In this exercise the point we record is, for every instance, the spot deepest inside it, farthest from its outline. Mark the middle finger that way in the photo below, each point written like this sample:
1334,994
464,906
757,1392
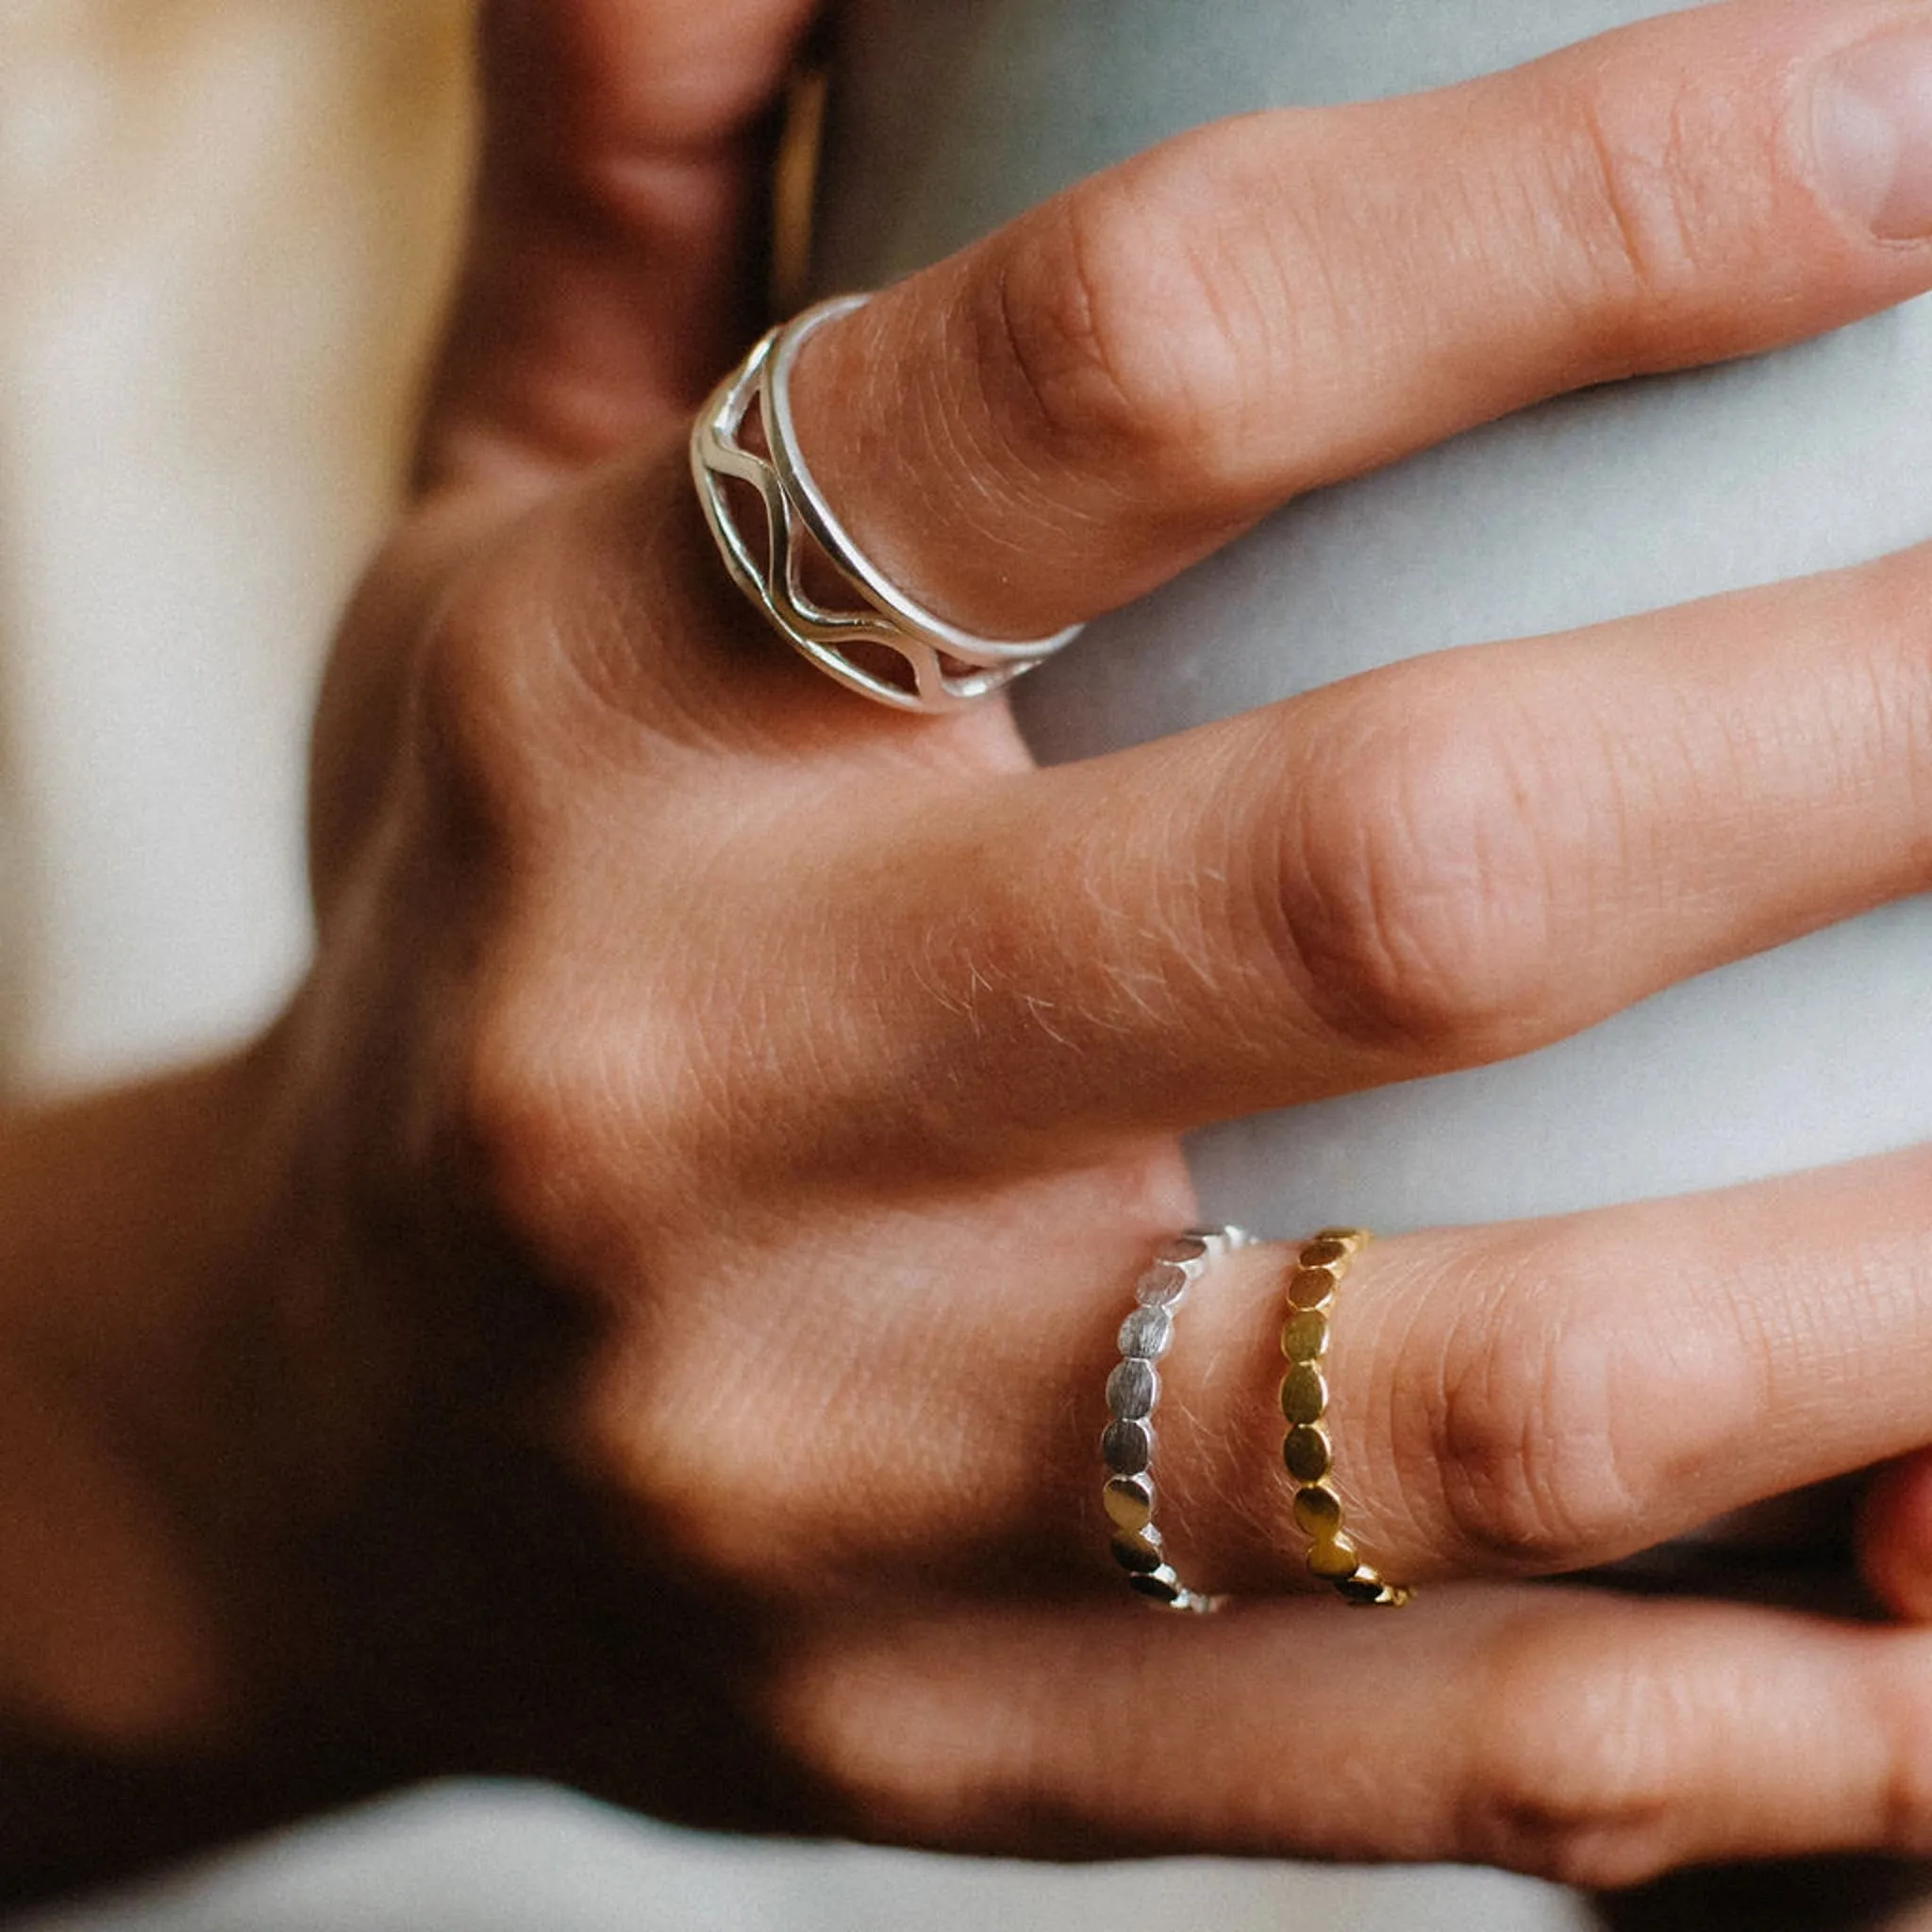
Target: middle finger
1437,864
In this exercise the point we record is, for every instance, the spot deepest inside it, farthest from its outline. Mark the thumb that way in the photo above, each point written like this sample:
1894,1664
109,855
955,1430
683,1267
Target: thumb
610,265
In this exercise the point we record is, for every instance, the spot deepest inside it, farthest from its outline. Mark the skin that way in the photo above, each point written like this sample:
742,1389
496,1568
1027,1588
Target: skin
640,1316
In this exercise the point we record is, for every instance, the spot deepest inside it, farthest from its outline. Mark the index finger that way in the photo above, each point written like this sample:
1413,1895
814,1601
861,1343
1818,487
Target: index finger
1065,415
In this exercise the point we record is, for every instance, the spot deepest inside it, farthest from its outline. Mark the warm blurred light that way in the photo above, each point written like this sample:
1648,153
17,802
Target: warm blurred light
225,226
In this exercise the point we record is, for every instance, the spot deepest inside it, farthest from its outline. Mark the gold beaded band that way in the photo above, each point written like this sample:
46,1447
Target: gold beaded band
1306,1450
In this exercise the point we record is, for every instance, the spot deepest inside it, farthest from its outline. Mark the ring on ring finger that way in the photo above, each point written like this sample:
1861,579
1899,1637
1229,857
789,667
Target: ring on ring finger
1133,1394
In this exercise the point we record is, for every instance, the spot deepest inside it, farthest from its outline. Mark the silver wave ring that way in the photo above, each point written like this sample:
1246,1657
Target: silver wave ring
945,667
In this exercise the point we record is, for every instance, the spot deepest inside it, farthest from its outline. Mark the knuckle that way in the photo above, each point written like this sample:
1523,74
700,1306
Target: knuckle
482,710
1525,1439
1579,1756
899,1749
526,1104
1566,1424
584,1153
1620,180
576,1097
1118,336
687,1439
1898,1711
527,680
1417,894
738,1469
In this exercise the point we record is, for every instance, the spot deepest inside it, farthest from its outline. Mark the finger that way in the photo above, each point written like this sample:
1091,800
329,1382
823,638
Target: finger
1552,1396
1067,414
1895,1537
1439,865
1581,1738
1534,1398
612,257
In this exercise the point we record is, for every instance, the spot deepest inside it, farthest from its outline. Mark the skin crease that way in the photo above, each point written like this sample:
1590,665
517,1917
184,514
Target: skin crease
638,1317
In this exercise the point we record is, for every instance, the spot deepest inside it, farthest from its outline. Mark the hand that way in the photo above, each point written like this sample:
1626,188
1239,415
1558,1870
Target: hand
724,1120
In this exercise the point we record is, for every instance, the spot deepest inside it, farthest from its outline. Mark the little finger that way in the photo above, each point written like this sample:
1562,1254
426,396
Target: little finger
1582,1738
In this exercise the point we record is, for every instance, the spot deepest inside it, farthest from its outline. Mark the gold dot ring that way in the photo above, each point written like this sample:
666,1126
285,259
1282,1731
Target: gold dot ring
1306,1450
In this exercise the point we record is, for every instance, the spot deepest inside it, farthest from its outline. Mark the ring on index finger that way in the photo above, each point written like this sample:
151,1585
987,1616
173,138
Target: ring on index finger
942,667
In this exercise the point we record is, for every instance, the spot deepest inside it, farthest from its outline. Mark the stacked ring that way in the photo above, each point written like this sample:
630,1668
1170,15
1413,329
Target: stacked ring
1132,1391
1306,1450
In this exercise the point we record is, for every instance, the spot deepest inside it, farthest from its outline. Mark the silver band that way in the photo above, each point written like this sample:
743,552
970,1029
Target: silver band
1133,1390
947,667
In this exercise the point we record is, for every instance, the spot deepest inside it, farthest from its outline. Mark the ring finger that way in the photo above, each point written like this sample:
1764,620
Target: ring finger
1549,1396
1536,1397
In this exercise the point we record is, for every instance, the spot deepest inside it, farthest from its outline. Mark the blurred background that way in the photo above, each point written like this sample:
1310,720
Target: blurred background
225,229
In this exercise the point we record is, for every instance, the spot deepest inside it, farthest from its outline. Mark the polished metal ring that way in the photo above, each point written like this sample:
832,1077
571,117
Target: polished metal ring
1320,1265
1132,1393
945,667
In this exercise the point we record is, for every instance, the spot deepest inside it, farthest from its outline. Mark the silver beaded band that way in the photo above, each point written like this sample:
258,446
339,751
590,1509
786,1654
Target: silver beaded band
944,667
1132,1393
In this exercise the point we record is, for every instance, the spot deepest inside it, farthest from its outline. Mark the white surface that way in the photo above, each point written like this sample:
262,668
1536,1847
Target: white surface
509,1859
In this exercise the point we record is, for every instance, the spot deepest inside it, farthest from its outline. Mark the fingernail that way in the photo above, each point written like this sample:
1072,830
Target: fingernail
1872,126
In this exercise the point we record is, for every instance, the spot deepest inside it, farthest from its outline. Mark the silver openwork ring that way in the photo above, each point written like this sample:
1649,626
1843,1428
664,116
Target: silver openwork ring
947,667
1132,1393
